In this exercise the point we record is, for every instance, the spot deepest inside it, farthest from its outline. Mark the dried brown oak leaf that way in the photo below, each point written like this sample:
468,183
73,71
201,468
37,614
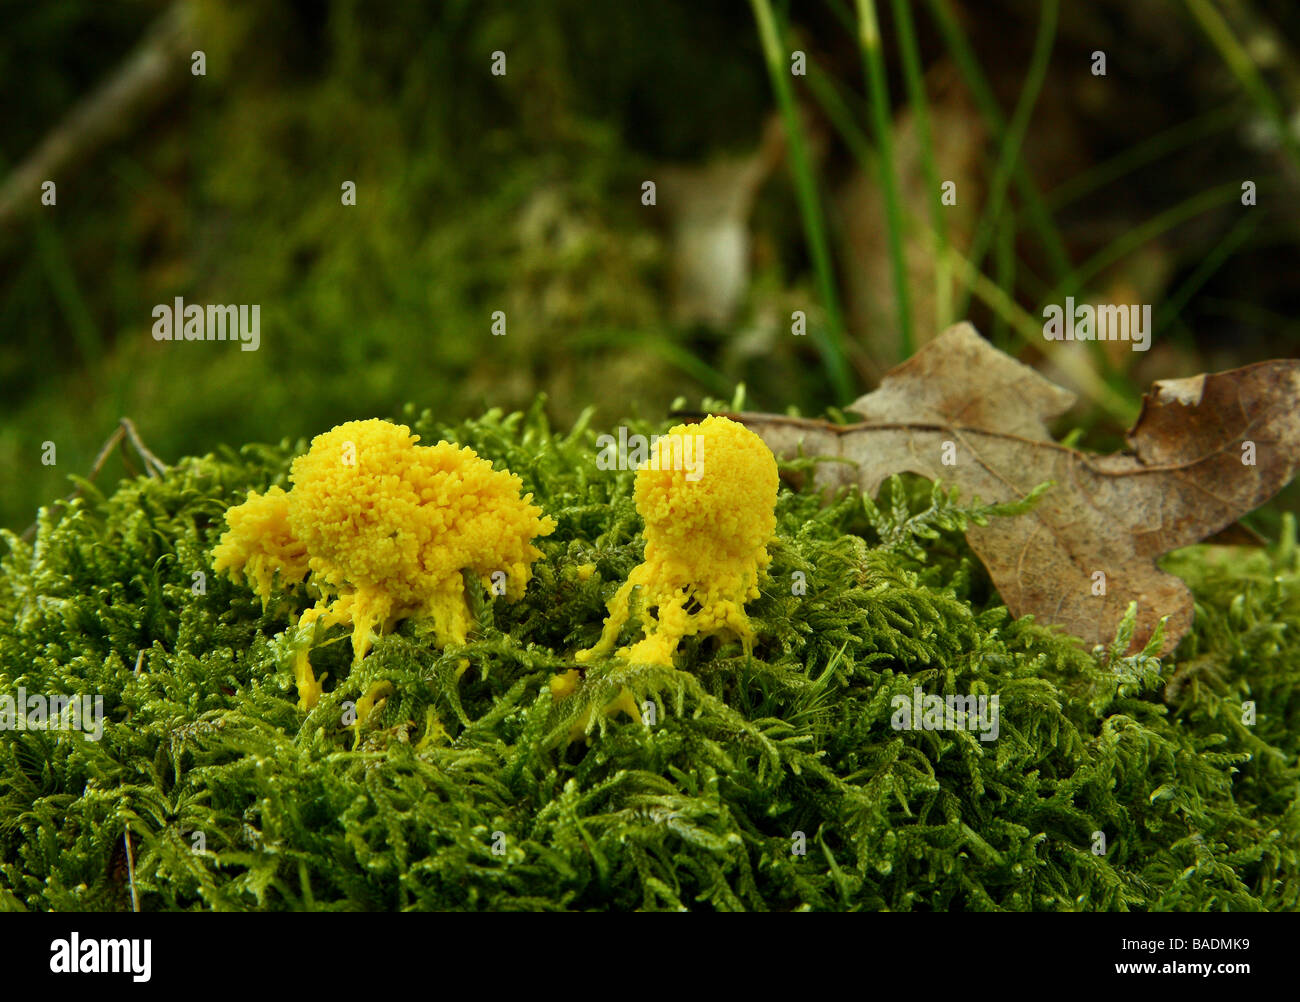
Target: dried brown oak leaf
1185,479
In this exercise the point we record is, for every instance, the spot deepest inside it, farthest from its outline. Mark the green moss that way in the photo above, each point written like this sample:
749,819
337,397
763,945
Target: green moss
466,795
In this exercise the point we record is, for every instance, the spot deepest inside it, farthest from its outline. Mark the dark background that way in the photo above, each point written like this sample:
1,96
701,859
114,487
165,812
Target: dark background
522,193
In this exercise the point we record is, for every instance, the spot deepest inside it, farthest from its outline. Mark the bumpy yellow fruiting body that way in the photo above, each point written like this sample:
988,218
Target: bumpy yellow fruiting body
708,497
385,526
259,543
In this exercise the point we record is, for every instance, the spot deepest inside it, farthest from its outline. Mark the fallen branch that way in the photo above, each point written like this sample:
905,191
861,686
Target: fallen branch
140,84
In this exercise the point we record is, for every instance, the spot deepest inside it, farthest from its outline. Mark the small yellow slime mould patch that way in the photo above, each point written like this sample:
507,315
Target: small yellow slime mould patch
565,685
259,544
385,527
374,698
708,497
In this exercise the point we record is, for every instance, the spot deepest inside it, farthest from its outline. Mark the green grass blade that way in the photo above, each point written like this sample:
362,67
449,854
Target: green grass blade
1135,237
830,341
910,52
1030,330
882,125
1158,146
1243,68
1004,262
67,293
1013,137
1212,262
674,354
1035,210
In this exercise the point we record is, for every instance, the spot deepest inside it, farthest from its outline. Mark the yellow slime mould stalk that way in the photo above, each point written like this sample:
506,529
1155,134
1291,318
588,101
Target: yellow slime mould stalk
385,528
707,495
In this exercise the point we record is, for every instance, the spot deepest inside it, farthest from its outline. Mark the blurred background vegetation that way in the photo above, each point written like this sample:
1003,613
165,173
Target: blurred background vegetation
776,192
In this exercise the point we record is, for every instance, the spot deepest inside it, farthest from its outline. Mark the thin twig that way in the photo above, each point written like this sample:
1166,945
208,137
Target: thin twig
154,466
126,429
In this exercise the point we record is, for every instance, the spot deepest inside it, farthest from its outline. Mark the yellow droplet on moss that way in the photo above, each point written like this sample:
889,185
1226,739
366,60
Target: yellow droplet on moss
373,699
309,686
564,684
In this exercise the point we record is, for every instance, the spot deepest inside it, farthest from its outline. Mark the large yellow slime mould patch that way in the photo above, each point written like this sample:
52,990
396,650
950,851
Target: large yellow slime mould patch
385,527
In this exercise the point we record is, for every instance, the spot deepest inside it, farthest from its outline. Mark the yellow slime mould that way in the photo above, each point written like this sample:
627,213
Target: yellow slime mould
565,685
385,527
374,698
708,496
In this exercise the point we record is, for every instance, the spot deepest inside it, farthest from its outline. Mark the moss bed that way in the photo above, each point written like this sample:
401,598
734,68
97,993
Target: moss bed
467,794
